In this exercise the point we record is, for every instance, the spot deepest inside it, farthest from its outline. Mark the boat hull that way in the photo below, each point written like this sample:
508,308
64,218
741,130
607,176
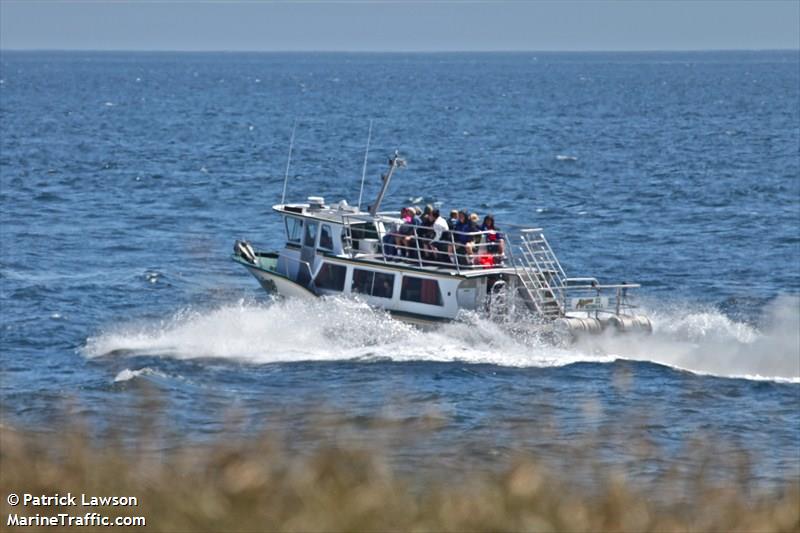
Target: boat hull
268,269
275,282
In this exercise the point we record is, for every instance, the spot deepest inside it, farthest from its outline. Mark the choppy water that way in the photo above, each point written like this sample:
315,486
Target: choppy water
125,178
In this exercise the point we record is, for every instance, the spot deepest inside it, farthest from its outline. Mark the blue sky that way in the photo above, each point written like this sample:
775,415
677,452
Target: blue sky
400,26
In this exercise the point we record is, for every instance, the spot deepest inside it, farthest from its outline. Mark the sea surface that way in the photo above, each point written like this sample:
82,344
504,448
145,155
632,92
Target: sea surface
126,177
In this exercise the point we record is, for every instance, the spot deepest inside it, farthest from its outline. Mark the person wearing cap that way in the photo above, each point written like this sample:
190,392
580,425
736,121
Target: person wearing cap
453,220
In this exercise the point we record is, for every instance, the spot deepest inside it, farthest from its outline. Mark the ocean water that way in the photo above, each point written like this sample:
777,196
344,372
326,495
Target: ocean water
126,177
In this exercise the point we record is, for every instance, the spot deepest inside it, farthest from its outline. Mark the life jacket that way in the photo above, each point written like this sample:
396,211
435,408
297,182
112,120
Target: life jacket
485,260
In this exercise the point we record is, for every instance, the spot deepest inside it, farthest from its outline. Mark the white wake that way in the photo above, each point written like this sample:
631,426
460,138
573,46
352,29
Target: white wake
701,340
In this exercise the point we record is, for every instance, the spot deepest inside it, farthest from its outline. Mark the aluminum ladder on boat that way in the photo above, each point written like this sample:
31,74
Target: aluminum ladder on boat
347,237
541,274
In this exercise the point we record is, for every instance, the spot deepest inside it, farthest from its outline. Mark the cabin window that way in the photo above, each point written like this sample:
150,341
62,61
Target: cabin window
311,234
331,277
326,237
363,230
372,283
421,290
294,229
362,281
383,285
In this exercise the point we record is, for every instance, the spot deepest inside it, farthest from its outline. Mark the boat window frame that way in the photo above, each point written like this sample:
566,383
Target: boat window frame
364,230
331,266
374,274
404,294
312,236
390,285
330,236
298,222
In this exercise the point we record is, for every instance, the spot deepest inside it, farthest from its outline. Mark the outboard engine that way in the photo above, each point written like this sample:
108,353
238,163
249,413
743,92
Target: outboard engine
245,251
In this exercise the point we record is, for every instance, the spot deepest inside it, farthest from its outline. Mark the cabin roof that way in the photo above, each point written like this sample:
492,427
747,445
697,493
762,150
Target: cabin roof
327,213
335,214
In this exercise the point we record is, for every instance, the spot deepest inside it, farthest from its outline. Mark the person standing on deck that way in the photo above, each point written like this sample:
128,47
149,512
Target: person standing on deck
440,234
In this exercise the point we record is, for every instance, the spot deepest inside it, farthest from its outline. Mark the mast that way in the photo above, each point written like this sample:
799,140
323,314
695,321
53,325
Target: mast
395,162
288,163
364,170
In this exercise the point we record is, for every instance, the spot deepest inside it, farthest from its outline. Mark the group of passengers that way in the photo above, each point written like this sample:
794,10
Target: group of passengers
427,237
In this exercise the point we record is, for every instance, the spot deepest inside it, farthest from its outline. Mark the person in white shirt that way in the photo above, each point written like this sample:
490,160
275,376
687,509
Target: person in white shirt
440,236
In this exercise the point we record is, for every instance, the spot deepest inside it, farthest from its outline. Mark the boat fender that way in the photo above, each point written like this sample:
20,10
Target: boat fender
245,251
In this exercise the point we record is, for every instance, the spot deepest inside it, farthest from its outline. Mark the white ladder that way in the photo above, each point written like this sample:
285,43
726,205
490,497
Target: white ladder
541,273
347,238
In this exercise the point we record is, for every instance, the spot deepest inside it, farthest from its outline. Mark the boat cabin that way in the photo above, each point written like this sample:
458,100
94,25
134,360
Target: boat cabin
340,250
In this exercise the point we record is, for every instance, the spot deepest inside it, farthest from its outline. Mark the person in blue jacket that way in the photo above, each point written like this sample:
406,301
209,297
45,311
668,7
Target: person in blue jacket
463,240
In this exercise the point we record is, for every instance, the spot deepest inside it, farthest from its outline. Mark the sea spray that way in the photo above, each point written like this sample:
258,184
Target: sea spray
704,340
694,338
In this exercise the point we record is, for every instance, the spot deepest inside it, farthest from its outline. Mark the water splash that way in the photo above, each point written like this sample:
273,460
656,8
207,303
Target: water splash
127,374
701,340
705,341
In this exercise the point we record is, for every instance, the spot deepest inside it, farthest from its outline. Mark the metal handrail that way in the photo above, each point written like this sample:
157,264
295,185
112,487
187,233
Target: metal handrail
417,255
620,301
385,217
416,252
602,287
541,273
299,262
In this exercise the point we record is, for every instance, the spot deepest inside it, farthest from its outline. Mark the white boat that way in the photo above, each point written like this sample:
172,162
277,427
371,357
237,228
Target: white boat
401,267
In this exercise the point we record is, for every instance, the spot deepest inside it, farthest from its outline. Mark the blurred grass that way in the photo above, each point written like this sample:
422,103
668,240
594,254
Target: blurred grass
253,483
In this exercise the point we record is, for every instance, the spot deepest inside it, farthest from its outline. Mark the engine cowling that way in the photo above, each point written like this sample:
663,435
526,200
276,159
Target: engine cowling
245,251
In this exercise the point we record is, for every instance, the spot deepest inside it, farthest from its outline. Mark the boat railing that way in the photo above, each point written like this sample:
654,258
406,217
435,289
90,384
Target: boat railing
416,245
540,272
590,296
282,267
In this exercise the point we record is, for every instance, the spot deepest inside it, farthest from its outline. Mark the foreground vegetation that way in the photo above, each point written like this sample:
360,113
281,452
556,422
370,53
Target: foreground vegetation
253,484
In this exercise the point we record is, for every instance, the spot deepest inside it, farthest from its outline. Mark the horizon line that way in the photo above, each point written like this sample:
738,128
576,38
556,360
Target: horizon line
410,51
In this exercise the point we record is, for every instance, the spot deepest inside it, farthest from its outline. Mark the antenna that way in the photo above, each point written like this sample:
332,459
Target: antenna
364,170
288,162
